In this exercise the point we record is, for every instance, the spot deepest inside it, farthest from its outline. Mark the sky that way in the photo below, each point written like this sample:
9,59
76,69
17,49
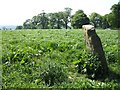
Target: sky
15,12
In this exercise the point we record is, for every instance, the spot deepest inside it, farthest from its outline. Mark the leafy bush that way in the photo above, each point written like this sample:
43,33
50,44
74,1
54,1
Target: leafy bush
89,64
53,73
111,58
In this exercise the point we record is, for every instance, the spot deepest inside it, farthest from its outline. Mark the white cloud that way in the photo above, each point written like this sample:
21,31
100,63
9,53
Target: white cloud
17,11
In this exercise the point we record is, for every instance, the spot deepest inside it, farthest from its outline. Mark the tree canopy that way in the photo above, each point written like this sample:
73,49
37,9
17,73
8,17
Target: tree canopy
79,19
64,19
96,19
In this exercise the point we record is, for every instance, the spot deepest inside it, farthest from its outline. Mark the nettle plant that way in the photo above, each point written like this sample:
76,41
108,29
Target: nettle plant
88,64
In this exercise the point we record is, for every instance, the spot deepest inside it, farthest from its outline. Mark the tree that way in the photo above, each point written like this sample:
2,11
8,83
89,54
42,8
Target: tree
52,20
116,14
105,23
56,20
96,19
4,28
59,21
79,19
35,21
113,18
42,20
27,24
19,27
67,16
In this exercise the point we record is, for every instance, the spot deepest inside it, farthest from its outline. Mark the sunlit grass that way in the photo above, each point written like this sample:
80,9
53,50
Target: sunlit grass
25,52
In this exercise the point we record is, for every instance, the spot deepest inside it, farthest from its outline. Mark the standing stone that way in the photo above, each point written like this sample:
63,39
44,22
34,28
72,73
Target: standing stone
94,45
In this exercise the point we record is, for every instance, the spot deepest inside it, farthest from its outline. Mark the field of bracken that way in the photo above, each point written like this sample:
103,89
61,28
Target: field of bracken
55,59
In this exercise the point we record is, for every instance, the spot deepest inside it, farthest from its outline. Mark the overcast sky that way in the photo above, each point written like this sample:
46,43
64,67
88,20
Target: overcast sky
15,12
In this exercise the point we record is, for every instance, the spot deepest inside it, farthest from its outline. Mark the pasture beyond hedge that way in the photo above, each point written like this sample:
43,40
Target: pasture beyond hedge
55,59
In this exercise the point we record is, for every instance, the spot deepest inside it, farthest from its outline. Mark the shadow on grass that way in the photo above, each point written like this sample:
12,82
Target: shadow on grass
114,76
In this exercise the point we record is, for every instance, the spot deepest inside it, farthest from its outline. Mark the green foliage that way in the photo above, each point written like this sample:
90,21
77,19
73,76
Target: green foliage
19,27
53,73
89,64
40,21
44,20
113,17
79,19
96,19
105,23
30,58
67,16
60,20
116,14
111,57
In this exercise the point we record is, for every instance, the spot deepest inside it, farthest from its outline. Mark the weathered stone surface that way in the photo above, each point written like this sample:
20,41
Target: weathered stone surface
94,45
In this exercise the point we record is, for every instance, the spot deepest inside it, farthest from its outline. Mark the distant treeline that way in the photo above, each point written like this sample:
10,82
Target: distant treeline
64,19
8,27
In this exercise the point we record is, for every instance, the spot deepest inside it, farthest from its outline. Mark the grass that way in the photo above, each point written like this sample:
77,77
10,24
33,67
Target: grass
45,59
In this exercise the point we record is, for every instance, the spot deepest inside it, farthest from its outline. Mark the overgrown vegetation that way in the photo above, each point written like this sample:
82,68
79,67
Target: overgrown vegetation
90,65
56,59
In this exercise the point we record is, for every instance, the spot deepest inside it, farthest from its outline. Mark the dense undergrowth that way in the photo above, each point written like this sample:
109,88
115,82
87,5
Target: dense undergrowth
56,59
